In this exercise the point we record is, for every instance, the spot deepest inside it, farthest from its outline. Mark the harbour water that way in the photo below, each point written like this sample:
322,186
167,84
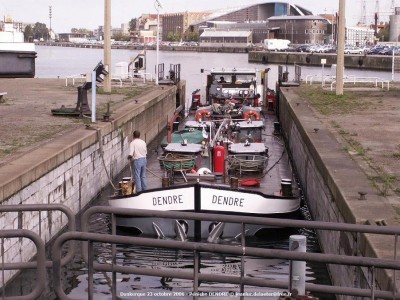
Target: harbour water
65,61
57,61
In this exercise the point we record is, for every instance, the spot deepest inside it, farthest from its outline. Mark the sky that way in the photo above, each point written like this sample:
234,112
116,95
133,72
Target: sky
89,14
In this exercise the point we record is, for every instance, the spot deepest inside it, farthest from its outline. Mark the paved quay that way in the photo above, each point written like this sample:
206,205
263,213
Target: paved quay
365,122
25,111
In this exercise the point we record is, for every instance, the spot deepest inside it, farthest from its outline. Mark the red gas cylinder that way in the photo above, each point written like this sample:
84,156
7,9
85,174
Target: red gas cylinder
219,159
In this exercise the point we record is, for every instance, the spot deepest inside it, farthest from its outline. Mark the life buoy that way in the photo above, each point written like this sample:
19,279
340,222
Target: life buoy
200,114
203,171
251,113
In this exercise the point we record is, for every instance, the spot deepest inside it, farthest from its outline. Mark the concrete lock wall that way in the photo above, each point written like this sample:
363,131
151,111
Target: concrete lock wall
75,170
323,169
361,61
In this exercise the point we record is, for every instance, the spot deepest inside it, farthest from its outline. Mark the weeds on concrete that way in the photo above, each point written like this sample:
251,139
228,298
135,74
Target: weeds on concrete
328,103
354,146
383,182
129,93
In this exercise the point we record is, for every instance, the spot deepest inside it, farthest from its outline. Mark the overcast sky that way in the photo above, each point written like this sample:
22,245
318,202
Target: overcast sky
67,14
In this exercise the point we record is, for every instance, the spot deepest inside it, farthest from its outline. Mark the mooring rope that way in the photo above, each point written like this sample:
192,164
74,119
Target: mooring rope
99,137
173,161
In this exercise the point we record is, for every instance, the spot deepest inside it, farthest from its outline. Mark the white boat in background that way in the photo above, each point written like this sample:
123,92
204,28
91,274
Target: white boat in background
17,58
237,168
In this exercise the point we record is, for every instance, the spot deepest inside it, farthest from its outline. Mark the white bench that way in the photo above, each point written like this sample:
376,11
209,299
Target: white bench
2,95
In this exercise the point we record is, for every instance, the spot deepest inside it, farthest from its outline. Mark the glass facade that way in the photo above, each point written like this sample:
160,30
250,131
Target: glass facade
281,9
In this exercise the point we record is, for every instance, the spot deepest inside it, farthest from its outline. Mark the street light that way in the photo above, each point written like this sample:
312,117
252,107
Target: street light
176,29
157,5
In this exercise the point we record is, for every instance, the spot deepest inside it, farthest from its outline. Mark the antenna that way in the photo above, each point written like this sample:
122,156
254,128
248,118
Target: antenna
363,18
159,3
50,15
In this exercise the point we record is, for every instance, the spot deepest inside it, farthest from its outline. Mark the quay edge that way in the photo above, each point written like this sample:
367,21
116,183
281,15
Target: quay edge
331,181
362,61
70,169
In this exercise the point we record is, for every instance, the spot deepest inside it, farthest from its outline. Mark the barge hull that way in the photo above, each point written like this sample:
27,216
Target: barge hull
17,64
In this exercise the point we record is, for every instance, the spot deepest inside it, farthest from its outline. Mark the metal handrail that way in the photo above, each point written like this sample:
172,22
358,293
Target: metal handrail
89,238
318,225
39,265
214,248
45,207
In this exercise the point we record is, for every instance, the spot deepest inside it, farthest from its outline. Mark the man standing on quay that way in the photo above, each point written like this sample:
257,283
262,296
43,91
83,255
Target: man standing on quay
138,152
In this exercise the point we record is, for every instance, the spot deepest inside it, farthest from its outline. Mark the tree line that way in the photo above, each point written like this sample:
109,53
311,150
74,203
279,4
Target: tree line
39,31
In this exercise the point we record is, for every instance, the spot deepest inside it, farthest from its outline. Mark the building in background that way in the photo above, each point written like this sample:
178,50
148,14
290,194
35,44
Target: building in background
359,36
395,26
254,18
234,38
300,29
176,26
146,29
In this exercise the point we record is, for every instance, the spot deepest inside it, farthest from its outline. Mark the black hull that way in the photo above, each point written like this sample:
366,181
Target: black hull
17,64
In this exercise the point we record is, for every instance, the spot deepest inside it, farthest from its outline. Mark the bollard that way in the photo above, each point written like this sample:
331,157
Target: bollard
297,269
165,182
286,187
277,128
234,182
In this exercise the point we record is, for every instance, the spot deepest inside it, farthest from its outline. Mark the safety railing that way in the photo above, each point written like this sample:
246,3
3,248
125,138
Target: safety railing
310,79
374,80
369,262
47,208
80,77
40,263
89,238
145,76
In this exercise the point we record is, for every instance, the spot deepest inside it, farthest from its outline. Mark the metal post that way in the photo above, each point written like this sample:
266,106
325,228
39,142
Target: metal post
114,259
297,271
107,45
393,64
157,6
3,281
90,271
196,270
340,48
242,260
93,96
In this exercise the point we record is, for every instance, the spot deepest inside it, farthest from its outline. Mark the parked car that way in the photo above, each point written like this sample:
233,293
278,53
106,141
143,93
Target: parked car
353,50
331,49
290,49
389,51
313,48
302,48
375,50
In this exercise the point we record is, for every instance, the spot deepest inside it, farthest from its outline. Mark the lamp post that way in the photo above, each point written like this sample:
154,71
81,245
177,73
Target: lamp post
107,45
176,30
157,5
340,48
